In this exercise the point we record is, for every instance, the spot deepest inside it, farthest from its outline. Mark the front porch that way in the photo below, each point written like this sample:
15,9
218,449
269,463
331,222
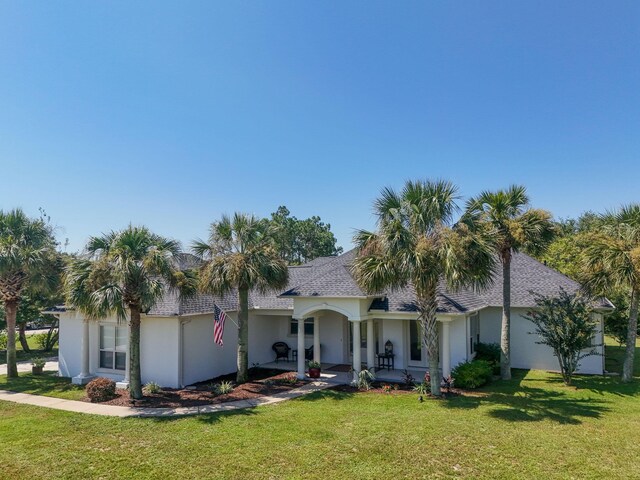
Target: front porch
342,373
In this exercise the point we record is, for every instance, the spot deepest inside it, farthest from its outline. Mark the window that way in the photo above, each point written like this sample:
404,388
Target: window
474,330
113,347
308,326
415,341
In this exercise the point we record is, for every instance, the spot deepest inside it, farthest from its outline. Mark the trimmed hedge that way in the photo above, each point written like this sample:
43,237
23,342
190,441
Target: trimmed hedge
101,389
472,374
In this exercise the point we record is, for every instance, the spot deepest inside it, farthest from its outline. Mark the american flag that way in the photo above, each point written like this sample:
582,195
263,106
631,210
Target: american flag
219,318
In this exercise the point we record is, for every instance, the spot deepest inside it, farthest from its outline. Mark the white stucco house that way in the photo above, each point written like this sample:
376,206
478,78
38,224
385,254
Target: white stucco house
177,347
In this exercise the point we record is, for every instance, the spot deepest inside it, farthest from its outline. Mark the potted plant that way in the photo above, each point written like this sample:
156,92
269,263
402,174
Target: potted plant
37,365
314,369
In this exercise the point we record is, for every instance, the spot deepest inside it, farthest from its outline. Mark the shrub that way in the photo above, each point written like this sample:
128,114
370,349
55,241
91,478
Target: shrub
150,388
565,324
38,362
47,340
101,389
289,379
223,387
365,378
472,374
423,388
407,378
386,388
491,353
3,340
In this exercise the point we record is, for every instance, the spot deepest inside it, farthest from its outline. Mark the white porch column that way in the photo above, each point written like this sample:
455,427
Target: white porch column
301,349
85,375
371,350
316,338
446,351
357,360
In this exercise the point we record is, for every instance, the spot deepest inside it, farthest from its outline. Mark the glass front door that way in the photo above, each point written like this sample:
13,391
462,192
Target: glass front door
417,354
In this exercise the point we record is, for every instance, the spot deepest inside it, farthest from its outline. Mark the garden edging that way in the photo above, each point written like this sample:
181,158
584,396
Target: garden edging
119,411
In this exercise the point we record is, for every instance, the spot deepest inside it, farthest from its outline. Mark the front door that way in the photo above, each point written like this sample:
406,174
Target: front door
417,352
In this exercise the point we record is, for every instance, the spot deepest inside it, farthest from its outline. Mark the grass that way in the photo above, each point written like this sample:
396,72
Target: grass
23,356
530,427
47,384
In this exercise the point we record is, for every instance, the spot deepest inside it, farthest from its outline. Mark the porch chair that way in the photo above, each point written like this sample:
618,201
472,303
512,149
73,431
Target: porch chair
282,350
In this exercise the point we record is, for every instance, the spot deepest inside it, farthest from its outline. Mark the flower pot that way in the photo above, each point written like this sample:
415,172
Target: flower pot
314,373
36,370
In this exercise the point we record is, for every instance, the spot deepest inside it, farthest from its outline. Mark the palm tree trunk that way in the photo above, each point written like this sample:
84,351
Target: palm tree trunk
11,312
428,302
135,377
23,338
505,334
243,336
632,333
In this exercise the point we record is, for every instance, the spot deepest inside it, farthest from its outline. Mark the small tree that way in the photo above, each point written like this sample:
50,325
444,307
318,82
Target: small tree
565,324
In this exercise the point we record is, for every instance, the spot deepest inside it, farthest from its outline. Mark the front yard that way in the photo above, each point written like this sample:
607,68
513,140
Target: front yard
531,427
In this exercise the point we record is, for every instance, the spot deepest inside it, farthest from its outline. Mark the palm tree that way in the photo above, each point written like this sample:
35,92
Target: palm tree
612,262
416,244
28,260
125,273
240,256
505,218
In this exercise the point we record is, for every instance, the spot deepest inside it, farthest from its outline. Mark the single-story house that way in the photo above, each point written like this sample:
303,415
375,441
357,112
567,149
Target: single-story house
177,347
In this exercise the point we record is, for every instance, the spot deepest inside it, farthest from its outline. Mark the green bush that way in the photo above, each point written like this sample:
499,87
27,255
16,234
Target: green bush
223,387
3,340
491,353
101,389
150,388
472,374
46,340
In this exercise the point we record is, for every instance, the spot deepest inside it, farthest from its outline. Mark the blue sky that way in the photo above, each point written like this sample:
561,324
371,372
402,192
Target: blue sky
171,113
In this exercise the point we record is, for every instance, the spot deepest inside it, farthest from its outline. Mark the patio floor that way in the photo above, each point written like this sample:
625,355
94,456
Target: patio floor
395,376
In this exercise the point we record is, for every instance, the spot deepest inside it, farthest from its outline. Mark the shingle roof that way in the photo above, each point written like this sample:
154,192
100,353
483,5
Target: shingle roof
331,277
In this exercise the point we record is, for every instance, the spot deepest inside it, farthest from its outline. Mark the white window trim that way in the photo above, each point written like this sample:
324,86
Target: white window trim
112,371
310,320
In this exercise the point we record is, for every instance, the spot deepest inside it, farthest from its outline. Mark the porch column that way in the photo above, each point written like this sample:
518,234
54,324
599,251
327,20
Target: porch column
316,338
301,349
357,361
371,351
446,351
85,375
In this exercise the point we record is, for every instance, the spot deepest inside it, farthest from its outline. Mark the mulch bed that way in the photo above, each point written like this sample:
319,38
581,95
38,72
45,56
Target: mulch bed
262,382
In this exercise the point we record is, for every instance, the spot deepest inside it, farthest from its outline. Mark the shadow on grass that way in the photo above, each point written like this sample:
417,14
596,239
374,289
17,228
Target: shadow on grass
45,384
333,393
206,418
516,402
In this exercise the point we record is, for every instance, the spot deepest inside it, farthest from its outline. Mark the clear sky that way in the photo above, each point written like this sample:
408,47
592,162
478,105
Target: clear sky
171,113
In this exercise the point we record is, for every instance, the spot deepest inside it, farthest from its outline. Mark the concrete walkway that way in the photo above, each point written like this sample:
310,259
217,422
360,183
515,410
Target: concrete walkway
52,364
117,411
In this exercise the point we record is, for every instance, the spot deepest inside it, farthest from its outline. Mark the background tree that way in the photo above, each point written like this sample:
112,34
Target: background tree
505,217
612,263
299,241
125,273
565,324
28,261
240,256
416,244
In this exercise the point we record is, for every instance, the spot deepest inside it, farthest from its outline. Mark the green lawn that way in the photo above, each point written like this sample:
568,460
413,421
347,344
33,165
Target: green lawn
47,384
530,427
23,356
